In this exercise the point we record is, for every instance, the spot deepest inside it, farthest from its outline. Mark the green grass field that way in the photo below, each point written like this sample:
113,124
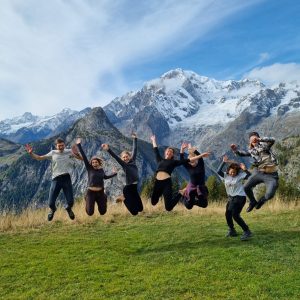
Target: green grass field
154,256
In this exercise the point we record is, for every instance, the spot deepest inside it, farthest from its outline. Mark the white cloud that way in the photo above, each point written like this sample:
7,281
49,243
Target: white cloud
55,54
276,73
263,57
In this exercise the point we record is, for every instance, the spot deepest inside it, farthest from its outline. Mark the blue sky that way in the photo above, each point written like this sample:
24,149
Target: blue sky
79,53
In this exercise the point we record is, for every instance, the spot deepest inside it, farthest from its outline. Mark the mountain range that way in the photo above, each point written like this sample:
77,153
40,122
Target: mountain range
29,128
182,105
178,106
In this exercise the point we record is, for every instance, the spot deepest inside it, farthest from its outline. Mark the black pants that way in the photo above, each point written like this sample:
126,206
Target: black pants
93,197
132,200
233,209
164,188
195,199
62,182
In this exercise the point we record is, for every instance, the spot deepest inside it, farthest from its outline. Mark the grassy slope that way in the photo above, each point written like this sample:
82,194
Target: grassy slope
153,256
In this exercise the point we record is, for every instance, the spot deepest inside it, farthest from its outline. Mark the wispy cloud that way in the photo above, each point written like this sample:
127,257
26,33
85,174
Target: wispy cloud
56,54
276,73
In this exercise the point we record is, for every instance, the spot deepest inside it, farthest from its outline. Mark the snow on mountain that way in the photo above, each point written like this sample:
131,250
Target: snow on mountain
29,127
186,97
182,104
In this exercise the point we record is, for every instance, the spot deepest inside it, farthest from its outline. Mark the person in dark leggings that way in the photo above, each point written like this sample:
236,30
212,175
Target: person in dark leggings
62,164
163,181
233,180
265,168
132,199
96,175
196,192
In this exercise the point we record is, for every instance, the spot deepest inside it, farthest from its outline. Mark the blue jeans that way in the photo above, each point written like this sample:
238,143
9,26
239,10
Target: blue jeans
61,182
269,179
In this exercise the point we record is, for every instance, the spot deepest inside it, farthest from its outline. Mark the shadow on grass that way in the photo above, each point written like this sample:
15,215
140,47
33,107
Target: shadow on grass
261,239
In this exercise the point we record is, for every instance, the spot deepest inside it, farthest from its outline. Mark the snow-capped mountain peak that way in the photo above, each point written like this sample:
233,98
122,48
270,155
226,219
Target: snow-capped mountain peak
29,127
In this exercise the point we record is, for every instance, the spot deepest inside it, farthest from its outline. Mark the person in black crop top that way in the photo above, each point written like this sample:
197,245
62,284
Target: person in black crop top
95,191
195,192
132,199
163,181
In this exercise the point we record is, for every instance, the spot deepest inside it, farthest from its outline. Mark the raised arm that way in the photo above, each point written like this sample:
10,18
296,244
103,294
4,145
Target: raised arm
270,141
238,152
220,168
33,155
182,148
114,173
134,146
204,154
243,167
85,160
155,148
116,157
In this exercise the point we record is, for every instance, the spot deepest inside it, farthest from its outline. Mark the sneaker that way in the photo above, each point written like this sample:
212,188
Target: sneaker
51,215
260,203
231,233
70,213
246,235
251,206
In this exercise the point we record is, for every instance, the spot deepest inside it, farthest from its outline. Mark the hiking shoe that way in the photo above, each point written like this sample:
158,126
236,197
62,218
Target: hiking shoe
51,215
71,214
260,203
231,233
246,235
251,206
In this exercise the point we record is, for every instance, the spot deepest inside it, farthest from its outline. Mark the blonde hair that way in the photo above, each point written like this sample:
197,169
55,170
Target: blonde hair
125,152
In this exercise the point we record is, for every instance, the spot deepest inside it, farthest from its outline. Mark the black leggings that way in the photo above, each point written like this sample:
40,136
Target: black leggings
132,199
195,199
164,188
233,209
93,197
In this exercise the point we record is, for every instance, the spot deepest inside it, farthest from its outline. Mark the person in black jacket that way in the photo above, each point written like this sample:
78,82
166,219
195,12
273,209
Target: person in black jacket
196,192
96,175
132,199
163,181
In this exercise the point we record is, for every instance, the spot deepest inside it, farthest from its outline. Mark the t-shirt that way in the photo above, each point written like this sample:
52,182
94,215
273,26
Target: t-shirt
234,185
62,162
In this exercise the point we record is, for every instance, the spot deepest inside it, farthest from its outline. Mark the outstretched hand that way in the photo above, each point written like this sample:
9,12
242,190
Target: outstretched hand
105,147
153,138
78,141
225,158
205,154
243,167
233,147
75,150
133,135
28,148
183,146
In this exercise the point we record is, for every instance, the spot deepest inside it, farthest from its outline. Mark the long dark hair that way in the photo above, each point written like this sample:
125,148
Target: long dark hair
234,166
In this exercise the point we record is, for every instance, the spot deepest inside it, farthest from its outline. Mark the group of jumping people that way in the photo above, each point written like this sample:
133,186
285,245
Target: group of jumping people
195,193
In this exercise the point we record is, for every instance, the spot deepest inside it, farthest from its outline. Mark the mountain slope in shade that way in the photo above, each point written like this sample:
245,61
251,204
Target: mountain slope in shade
26,182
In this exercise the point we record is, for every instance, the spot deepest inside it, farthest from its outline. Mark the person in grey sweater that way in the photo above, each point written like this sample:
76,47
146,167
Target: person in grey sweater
265,168
132,199
233,180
